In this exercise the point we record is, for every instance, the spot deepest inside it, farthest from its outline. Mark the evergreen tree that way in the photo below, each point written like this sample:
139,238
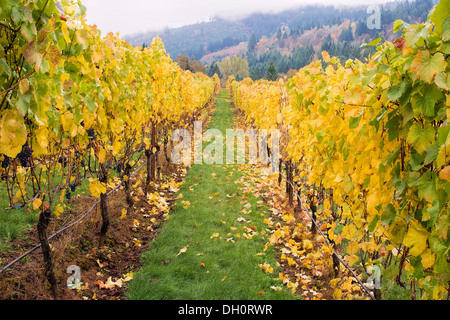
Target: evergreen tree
279,34
214,69
255,73
252,43
272,73
346,35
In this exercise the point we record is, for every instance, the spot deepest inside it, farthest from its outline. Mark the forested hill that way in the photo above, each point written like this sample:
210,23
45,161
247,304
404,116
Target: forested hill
288,38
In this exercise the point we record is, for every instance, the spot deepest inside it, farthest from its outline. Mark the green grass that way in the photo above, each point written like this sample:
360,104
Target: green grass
166,276
15,222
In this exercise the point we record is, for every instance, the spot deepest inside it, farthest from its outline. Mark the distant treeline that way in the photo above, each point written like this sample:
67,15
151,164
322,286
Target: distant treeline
294,24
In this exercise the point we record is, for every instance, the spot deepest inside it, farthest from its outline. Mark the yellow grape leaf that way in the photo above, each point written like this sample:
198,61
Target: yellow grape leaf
24,86
13,133
64,77
416,238
37,203
58,210
102,156
439,292
117,146
445,174
428,258
68,124
65,32
42,138
352,248
97,54
426,67
307,244
97,188
351,259
83,37
337,294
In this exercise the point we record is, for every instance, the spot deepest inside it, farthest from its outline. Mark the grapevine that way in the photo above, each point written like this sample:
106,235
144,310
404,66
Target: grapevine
72,101
370,142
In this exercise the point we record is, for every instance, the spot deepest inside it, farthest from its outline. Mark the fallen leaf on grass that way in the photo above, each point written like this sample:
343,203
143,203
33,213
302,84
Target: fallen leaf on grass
183,250
266,267
276,288
186,204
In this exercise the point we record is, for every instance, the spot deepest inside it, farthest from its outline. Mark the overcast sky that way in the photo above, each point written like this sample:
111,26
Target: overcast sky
134,16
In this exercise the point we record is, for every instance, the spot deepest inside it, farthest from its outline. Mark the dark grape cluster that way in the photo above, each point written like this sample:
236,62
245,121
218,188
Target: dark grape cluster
68,194
25,155
63,161
6,162
73,187
119,167
91,134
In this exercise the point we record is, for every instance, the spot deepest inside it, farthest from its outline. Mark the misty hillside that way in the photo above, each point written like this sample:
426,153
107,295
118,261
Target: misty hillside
277,36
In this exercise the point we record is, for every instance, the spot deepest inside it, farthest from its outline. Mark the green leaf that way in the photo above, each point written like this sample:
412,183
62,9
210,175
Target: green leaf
443,133
393,126
354,122
420,138
17,14
22,103
446,29
398,24
4,68
443,80
441,12
431,153
389,214
373,43
91,105
416,161
395,92
433,212
424,102
427,187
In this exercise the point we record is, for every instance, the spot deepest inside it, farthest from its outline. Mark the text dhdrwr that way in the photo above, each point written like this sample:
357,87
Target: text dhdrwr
247,309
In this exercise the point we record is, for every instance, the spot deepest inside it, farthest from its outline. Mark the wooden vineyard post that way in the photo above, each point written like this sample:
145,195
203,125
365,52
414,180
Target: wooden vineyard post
103,205
151,159
289,182
154,153
129,197
44,219
280,167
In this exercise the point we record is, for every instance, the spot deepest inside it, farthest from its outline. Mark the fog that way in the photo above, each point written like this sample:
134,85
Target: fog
134,16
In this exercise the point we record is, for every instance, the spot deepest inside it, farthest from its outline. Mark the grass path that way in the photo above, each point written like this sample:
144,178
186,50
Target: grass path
206,250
